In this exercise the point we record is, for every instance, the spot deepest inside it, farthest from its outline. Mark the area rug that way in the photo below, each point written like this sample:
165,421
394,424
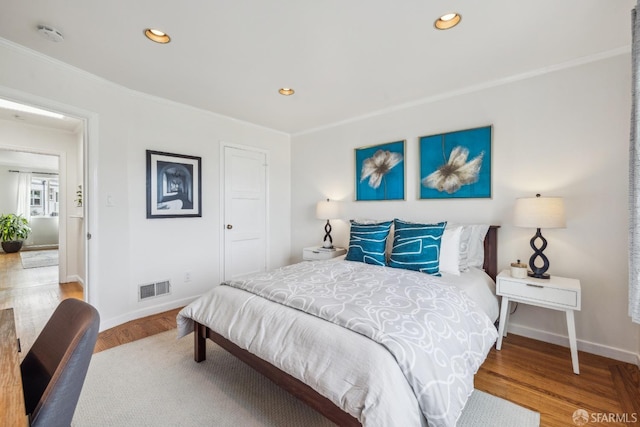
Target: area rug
155,382
35,259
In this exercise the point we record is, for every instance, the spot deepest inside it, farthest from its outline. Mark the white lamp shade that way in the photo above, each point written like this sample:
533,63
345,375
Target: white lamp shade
327,209
540,212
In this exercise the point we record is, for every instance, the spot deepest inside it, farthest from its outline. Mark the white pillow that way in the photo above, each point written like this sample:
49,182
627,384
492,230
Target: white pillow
450,250
471,245
370,221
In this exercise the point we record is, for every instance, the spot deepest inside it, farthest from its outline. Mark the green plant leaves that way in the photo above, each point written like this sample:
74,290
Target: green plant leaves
13,227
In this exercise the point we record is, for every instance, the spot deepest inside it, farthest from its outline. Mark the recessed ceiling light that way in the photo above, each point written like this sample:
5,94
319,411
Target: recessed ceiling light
447,21
157,36
286,91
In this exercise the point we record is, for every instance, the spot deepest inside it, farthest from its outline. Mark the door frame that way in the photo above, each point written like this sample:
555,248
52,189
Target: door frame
89,186
267,234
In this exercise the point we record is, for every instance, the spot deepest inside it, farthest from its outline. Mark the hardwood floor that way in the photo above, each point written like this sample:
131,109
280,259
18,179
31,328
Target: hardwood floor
33,293
136,329
530,373
539,376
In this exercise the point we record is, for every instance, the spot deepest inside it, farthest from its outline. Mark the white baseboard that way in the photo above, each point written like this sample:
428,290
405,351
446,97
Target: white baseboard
75,278
39,247
143,312
586,346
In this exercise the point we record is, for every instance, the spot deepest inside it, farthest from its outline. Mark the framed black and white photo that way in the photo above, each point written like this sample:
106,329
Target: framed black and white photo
173,185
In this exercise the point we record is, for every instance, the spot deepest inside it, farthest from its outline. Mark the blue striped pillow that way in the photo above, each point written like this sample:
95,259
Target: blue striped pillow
417,246
367,242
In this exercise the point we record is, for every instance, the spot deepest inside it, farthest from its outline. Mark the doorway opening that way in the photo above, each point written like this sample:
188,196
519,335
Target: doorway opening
47,158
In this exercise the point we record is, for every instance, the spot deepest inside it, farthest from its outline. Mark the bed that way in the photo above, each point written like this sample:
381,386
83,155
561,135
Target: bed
346,369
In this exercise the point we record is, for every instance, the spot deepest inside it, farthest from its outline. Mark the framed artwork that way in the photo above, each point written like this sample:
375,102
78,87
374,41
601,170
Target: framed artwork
173,185
380,172
456,164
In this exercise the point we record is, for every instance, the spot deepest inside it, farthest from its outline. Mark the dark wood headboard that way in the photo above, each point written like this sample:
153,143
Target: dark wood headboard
491,252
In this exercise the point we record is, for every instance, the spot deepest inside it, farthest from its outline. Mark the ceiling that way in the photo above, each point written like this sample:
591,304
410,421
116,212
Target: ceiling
28,162
345,59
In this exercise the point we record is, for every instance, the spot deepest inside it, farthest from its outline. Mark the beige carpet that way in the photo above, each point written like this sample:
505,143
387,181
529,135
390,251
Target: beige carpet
155,382
35,259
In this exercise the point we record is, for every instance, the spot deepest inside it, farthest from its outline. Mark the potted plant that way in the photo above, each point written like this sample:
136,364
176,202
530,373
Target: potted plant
79,196
13,230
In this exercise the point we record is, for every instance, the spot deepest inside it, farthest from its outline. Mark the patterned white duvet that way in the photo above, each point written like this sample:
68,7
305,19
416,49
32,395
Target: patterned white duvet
417,343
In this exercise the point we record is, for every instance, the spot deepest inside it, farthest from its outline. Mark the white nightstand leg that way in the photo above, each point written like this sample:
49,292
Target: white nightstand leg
507,318
504,318
571,327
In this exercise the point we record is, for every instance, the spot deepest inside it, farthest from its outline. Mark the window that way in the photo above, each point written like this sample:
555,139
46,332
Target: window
44,196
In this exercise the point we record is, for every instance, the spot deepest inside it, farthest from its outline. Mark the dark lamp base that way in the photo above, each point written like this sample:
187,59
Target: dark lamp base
538,272
327,236
538,276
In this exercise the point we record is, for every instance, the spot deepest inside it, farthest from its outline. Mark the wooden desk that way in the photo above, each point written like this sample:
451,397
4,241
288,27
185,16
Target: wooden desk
12,410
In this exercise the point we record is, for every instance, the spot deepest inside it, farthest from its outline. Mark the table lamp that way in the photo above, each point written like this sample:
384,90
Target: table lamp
327,210
539,212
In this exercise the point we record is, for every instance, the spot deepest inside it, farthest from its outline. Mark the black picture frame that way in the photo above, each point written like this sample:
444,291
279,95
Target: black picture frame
174,185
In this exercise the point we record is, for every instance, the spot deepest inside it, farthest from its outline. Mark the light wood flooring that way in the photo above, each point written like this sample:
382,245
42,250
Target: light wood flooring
531,373
33,293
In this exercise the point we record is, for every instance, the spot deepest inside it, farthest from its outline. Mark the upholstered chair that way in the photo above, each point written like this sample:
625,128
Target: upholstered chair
54,369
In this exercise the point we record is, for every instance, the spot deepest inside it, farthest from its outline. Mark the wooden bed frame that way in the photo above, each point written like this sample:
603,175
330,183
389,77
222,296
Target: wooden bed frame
296,387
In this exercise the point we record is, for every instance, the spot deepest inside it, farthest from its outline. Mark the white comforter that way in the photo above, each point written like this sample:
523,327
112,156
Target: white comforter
356,373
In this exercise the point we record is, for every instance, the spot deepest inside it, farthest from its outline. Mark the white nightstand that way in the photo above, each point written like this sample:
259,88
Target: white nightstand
317,253
557,293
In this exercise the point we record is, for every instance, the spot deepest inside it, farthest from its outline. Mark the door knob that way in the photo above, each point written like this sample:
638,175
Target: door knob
229,226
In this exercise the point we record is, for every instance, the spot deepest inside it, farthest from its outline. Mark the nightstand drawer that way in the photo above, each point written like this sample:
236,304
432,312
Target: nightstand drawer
548,295
319,254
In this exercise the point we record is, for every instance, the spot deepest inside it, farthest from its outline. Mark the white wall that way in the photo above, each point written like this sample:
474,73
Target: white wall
44,231
127,249
563,133
8,188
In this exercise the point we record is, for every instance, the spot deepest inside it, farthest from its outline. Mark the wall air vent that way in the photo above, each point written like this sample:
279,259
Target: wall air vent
154,290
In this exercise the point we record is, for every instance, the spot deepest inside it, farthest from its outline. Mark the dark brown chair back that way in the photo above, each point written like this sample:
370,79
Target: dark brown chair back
54,369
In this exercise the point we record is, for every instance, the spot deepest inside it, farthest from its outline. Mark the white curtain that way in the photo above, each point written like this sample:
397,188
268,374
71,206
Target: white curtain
634,176
24,195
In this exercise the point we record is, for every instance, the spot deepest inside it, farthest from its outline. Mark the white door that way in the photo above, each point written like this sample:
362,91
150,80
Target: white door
245,211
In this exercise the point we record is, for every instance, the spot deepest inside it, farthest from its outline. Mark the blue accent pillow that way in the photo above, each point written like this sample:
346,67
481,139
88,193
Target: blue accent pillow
367,242
417,246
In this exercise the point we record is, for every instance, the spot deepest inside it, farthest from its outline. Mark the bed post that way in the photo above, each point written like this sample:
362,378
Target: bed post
491,252
199,342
